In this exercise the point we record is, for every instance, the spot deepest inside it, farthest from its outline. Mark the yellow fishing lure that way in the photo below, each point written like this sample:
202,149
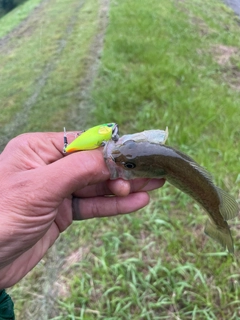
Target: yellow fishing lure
92,138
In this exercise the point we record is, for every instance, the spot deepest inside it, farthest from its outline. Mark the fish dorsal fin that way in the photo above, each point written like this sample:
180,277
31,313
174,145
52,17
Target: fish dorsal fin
196,166
203,171
228,208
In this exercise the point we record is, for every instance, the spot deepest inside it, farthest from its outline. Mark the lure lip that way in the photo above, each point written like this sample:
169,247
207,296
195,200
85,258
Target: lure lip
65,141
115,132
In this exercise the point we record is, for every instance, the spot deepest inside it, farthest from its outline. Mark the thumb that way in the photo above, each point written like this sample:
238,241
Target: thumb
73,172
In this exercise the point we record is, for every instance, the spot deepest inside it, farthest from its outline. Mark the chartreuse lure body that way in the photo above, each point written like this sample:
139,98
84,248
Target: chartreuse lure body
92,138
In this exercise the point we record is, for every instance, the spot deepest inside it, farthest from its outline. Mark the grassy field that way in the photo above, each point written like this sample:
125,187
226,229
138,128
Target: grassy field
164,63
43,64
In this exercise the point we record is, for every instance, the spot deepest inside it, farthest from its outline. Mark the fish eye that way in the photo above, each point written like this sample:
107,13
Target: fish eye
129,165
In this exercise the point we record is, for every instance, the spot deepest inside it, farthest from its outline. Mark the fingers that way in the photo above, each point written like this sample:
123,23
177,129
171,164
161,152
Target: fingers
72,173
39,157
43,147
97,207
33,149
119,187
87,170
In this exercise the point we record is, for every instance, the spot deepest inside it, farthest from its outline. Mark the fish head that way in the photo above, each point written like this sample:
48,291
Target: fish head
132,159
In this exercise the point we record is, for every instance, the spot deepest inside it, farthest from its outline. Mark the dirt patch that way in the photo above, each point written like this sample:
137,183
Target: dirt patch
232,76
225,56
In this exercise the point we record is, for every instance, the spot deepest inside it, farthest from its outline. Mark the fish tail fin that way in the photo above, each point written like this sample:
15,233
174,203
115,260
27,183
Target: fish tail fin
221,235
228,207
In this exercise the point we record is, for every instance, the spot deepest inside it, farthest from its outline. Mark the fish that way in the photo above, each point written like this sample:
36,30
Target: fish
131,158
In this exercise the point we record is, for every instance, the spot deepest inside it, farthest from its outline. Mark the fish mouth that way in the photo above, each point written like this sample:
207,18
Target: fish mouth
109,149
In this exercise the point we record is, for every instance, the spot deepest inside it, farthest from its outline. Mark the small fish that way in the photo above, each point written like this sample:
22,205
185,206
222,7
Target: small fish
130,158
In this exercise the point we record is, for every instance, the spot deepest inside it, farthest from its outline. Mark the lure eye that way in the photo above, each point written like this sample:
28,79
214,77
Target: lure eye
129,165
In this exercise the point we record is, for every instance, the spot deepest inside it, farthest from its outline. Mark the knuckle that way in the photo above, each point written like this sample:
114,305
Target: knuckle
96,209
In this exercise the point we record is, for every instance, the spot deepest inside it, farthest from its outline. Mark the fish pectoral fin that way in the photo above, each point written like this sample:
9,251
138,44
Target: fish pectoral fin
221,235
228,208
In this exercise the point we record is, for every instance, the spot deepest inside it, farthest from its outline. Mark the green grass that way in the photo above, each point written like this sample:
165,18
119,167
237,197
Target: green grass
162,72
42,71
16,16
159,68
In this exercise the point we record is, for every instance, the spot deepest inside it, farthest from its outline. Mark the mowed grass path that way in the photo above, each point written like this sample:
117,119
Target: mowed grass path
43,62
165,63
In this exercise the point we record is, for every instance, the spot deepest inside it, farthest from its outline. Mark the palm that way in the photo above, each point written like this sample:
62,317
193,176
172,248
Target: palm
44,215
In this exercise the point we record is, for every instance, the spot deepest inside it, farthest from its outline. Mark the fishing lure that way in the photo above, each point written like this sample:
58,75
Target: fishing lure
131,157
92,138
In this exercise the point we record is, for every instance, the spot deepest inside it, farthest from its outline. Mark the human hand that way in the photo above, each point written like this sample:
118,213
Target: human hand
38,185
